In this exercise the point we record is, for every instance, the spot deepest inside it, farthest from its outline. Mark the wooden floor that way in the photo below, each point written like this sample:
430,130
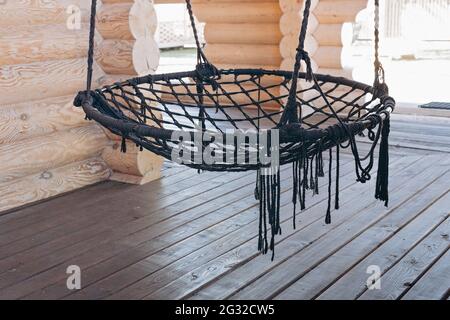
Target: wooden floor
191,236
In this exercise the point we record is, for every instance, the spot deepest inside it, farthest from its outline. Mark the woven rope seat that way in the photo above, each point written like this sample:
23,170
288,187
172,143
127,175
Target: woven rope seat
189,113
148,109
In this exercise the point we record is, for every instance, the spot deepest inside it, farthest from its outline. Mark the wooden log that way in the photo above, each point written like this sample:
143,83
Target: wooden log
334,34
52,182
116,56
143,20
38,118
260,12
288,65
242,33
203,1
245,66
328,57
289,44
112,21
33,12
26,82
346,73
291,5
116,1
133,162
338,11
233,95
35,155
145,55
243,54
290,23
27,43
127,21
339,105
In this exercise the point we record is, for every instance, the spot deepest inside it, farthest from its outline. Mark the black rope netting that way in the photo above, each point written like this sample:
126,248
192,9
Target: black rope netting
308,113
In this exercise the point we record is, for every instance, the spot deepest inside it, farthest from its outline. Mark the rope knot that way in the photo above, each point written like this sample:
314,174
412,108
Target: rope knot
81,98
208,73
303,55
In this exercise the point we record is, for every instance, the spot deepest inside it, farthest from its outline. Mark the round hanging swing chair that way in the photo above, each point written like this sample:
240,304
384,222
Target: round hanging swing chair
311,113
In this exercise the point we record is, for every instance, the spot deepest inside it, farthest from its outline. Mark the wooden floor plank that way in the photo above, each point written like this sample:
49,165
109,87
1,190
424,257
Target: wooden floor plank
226,285
289,271
171,253
49,211
93,216
411,267
135,225
141,234
385,257
197,258
406,225
184,286
435,284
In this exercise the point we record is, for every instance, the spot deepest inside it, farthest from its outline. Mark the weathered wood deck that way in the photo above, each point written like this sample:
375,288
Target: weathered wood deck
194,236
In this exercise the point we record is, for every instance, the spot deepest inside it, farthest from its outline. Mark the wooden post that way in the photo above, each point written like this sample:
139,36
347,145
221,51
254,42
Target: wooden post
331,16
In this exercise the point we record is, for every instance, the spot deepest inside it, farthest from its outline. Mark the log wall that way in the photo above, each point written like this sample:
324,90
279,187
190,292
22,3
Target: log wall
46,146
264,34
327,36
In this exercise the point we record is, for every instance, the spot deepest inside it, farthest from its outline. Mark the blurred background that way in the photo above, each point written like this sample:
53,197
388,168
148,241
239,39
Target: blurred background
415,48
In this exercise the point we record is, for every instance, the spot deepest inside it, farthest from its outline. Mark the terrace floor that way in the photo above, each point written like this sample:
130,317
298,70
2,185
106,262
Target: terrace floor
191,236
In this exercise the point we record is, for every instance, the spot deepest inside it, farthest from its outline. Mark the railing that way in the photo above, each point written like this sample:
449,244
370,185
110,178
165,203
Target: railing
174,29
419,19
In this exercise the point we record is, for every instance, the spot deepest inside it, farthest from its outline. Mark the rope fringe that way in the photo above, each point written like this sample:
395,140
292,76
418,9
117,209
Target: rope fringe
381,191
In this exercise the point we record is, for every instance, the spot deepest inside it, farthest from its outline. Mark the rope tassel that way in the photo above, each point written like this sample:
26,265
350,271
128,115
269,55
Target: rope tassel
269,211
381,191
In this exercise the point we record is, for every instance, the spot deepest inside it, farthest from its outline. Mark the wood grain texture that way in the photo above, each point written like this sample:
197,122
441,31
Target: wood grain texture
434,284
52,182
35,155
224,12
338,11
27,43
410,223
243,33
33,12
133,162
33,81
243,54
402,276
37,118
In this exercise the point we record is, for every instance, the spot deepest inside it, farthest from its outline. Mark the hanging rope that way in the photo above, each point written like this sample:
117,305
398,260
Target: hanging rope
90,58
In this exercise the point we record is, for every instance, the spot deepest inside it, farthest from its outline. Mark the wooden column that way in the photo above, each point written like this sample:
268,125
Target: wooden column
241,34
330,35
127,49
327,36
